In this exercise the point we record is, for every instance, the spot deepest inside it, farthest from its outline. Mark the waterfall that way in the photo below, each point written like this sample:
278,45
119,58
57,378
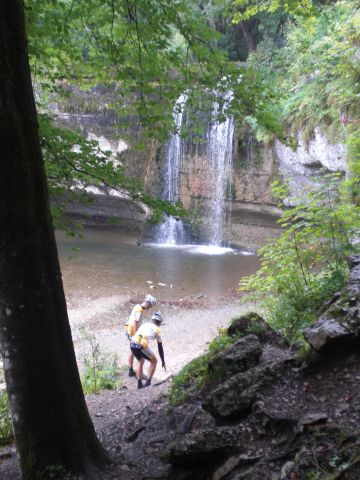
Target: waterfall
217,151
171,232
218,174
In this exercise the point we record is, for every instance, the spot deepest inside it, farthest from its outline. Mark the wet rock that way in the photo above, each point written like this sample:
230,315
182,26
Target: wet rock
339,324
240,356
207,445
234,397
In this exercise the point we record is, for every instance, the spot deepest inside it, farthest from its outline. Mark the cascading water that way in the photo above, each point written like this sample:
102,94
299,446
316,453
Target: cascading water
171,232
217,148
219,170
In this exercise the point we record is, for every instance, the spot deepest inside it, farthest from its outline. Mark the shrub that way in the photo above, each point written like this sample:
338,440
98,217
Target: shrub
100,372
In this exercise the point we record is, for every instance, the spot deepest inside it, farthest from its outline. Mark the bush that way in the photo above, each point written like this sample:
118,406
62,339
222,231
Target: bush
100,372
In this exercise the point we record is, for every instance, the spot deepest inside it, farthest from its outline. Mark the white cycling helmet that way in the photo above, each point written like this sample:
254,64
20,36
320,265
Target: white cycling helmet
150,299
158,317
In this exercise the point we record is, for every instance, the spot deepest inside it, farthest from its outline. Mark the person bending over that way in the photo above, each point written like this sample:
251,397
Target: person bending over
134,323
139,346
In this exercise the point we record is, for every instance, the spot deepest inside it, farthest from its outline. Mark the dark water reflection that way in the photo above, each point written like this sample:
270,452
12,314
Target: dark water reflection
107,264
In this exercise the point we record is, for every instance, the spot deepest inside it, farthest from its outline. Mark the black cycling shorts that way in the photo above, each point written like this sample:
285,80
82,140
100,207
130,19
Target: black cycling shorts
139,353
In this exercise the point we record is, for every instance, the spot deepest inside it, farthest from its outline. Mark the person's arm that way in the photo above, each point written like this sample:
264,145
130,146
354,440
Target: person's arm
161,353
137,320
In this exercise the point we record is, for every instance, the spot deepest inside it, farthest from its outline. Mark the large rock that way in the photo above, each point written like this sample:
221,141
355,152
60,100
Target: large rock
240,356
234,398
339,324
252,323
202,445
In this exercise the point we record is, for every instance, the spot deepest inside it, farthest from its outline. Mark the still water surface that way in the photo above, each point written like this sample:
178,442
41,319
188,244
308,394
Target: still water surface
107,264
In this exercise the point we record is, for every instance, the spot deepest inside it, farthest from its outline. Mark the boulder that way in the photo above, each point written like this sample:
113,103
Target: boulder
205,445
325,331
253,323
234,397
240,356
339,324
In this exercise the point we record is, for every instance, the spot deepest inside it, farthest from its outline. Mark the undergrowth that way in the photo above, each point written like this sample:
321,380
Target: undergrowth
5,420
100,372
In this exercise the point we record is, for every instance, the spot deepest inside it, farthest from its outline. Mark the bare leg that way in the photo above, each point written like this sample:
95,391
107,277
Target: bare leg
139,370
131,360
152,367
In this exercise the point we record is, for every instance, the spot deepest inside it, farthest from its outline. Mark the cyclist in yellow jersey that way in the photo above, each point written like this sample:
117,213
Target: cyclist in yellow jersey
133,324
139,346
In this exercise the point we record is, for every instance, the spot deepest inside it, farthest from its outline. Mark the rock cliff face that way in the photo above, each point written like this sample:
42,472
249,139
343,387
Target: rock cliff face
303,167
248,201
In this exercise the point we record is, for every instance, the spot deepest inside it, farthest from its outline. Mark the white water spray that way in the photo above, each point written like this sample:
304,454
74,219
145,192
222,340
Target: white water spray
219,172
218,150
171,232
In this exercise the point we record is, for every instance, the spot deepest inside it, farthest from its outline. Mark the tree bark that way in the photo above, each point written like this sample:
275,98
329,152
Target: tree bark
51,422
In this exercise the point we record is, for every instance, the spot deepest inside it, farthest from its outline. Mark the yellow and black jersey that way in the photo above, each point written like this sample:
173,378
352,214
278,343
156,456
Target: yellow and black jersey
134,320
146,333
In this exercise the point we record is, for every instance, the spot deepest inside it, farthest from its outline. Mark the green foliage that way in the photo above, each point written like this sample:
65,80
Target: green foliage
99,372
196,374
326,68
74,163
316,73
307,263
6,434
315,79
152,50
304,9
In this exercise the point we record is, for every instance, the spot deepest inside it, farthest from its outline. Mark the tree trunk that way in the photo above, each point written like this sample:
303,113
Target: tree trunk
51,422
248,37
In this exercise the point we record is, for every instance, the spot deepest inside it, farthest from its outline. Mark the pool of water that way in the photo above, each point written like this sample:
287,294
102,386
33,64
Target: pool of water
107,264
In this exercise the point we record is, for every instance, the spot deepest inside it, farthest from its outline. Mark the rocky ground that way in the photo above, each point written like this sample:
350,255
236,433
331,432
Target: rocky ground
271,414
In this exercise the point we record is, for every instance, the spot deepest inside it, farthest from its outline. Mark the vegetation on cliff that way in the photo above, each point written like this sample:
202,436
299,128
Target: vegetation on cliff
307,264
315,75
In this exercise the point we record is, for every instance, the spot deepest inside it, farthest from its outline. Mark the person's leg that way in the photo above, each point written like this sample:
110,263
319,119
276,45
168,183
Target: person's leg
131,365
136,352
151,370
139,372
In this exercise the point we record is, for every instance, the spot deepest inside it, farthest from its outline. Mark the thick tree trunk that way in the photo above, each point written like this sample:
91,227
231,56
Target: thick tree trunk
51,422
